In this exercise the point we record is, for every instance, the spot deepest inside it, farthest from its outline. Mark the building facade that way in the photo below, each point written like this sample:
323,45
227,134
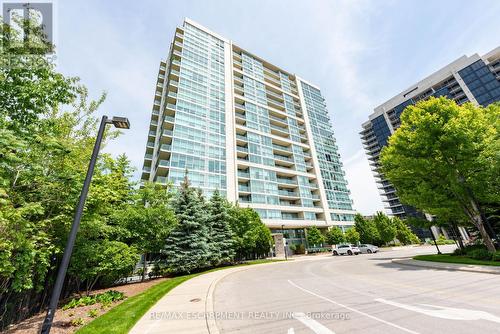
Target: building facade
257,133
473,79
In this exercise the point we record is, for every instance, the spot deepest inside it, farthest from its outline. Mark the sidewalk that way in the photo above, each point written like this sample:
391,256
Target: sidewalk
449,266
182,310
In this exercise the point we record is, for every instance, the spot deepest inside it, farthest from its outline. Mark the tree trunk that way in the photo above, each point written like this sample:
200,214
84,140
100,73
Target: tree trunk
434,239
144,268
458,235
477,218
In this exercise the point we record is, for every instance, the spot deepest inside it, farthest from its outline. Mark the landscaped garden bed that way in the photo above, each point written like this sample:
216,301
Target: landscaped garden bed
473,254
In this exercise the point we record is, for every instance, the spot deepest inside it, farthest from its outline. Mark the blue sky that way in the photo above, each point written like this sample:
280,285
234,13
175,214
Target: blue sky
360,53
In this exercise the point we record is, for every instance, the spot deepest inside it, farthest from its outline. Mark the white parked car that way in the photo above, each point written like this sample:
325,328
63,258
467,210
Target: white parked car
346,249
368,248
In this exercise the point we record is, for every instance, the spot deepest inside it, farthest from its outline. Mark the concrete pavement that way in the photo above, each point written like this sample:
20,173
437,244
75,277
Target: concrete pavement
359,294
326,294
188,308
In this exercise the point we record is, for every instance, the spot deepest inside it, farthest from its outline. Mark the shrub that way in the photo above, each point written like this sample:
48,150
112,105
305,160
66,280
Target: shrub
93,313
496,256
105,299
77,322
159,269
470,248
480,254
459,252
300,249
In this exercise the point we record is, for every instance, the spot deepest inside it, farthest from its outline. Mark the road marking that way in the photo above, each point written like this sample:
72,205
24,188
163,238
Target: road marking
445,312
291,331
315,326
354,310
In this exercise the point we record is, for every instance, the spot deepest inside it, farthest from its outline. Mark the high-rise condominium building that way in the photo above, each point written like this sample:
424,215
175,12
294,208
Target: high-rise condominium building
259,134
468,79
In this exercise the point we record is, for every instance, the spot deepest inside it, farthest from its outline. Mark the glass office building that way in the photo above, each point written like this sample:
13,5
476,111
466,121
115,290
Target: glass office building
473,79
257,133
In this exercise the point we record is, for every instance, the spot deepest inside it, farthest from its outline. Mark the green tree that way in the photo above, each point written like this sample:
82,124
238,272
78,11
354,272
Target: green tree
103,260
148,220
367,230
385,227
352,236
220,236
443,158
187,247
335,236
403,233
314,237
252,239
29,85
47,132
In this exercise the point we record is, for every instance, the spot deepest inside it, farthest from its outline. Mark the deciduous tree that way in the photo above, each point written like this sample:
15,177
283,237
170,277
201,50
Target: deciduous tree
444,158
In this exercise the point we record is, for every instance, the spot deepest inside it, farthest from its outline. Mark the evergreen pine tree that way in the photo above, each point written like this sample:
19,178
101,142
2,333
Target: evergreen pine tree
187,247
221,242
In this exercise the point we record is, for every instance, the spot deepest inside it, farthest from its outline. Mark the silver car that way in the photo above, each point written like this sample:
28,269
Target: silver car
368,248
346,249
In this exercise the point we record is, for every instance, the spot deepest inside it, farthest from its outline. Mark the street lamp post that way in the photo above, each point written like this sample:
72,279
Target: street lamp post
120,123
284,241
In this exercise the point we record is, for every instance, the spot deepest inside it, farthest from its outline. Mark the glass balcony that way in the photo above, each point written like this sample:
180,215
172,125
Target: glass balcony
166,147
282,148
287,181
244,174
161,179
279,128
163,163
282,157
169,119
243,188
242,137
288,193
242,149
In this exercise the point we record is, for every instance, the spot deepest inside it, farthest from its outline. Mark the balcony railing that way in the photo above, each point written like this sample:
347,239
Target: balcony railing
243,188
163,163
279,128
282,148
282,157
288,181
165,147
170,119
288,193
161,179
244,174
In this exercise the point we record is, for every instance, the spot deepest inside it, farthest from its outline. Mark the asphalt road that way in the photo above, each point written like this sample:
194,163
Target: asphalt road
357,294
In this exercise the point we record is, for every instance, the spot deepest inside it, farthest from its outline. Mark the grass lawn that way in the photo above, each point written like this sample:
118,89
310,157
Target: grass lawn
455,259
120,319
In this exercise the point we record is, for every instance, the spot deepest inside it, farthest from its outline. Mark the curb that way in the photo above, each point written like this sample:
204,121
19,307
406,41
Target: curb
448,266
209,301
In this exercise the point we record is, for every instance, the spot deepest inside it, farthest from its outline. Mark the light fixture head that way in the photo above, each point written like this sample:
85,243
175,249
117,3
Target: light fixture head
120,122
